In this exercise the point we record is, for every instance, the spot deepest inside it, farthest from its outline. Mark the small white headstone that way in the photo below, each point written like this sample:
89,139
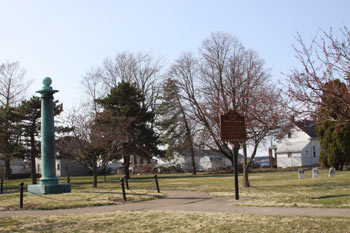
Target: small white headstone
315,172
331,171
301,174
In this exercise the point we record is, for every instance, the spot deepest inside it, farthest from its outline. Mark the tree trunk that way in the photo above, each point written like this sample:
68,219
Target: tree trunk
194,170
245,167
126,166
135,166
104,175
32,156
188,135
94,170
7,169
33,171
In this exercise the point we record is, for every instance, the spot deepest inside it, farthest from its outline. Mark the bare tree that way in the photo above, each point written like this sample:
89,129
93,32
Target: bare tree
327,58
226,76
141,69
12,90
13,86
92,142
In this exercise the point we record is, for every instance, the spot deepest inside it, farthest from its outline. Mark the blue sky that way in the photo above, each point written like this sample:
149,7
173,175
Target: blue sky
64,39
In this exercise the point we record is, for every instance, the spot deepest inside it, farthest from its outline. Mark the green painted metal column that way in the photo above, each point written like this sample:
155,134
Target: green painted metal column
49,181
48,150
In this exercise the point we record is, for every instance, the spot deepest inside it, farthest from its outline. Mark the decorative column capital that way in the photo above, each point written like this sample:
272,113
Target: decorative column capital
47,91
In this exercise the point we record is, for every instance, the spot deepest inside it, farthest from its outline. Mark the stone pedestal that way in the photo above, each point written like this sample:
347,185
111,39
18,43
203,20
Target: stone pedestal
48,182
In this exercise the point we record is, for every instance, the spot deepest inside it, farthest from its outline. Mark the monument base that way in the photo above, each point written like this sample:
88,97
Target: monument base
49,189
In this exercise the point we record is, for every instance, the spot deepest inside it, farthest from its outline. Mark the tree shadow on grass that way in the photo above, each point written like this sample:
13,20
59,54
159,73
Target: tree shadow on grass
331,196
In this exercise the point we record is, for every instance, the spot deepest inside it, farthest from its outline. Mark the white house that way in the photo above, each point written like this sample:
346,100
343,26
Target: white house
18,167
205,160
299,147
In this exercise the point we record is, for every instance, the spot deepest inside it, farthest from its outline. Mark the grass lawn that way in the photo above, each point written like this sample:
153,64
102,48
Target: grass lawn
171,221
268,189
273,188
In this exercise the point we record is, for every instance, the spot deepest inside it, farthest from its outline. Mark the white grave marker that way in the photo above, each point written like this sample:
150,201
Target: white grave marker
301,174
331,171
315,172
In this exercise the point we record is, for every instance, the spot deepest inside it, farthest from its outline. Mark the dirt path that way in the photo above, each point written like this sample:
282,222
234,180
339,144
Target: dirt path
190,201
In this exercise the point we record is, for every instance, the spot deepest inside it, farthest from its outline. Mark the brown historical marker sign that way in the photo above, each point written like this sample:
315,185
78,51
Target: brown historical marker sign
232,127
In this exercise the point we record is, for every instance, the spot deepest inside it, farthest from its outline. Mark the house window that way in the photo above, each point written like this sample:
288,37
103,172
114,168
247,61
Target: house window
58,167
307,152
314,151
289,155
38,167
289,134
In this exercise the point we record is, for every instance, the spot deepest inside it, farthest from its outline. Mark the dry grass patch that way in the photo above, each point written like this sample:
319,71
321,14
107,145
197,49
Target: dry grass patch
171,221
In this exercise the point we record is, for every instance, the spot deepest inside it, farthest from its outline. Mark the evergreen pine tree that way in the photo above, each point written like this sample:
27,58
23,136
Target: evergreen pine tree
175,126
10,137
124,112
332,129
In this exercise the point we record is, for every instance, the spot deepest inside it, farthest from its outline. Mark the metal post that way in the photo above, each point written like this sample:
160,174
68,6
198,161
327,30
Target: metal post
21,195
157,184
126,182
123,188
235,154
68,179
1,185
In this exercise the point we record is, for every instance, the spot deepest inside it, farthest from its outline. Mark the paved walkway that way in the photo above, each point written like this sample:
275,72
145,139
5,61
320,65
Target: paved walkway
189,201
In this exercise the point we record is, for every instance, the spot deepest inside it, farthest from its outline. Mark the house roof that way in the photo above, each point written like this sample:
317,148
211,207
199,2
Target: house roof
290,147
309,127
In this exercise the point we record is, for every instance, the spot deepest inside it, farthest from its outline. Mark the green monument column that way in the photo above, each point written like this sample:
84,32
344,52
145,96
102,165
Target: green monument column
48,182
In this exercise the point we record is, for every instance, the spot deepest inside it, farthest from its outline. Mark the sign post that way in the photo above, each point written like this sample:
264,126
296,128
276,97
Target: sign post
232,129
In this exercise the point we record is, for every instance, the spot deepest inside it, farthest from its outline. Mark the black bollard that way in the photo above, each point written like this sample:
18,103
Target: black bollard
21,195
157,184
126,182
68,179
123,188
1,185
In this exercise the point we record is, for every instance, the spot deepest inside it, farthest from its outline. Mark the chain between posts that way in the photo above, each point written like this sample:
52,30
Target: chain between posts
122,180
